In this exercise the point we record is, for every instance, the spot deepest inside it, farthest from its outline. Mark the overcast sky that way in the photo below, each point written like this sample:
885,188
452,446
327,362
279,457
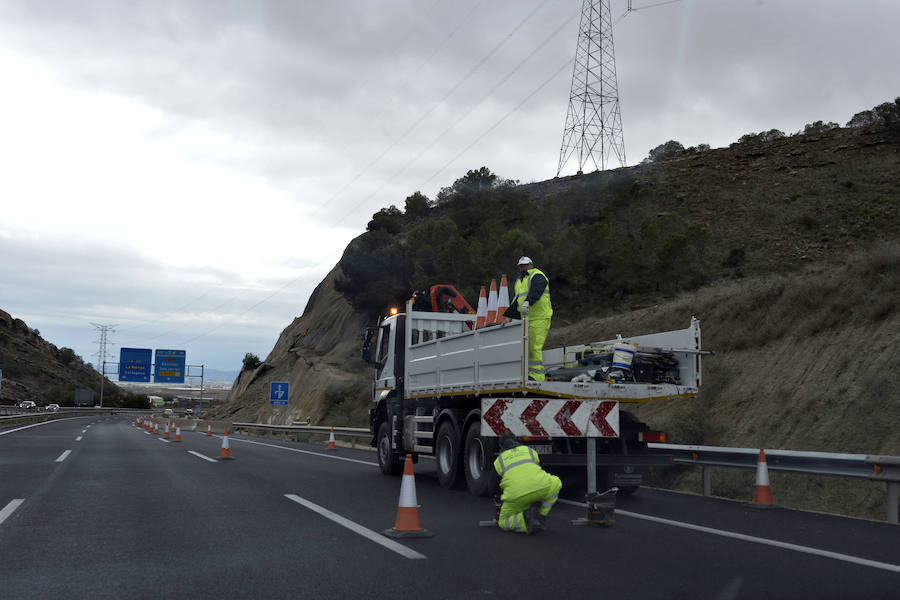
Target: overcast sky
189,171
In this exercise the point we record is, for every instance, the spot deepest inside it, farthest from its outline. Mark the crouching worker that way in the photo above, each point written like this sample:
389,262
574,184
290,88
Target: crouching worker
529,492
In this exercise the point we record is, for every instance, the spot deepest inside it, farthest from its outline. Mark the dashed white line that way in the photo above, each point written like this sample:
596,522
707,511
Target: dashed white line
163,440
197,454
10,509
63,456
357,528
78,439
756,540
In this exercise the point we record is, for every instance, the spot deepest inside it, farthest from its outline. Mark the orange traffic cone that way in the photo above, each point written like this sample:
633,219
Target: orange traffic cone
763,496
177,433
166,434
156,428
492,304
502,299
208,429
331,445
226,449
407,523
481,315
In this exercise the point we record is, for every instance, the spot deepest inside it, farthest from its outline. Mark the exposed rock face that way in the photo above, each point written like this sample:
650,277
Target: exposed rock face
319,355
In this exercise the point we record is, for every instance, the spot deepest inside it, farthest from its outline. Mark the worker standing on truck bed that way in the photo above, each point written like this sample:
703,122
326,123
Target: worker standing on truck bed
532,298
529,492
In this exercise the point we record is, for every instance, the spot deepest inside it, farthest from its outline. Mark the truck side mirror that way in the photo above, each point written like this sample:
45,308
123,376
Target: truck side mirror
368,337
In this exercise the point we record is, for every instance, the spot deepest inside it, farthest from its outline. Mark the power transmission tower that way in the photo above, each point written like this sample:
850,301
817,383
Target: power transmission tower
101,353
593,123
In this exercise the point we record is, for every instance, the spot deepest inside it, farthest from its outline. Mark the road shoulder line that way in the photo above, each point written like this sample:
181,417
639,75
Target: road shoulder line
10,509
756,540
357,528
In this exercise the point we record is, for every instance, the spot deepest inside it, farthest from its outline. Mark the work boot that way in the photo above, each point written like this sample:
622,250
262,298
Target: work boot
534,519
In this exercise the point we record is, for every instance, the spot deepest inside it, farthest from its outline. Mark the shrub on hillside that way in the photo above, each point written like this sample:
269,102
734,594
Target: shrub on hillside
666,151
251,361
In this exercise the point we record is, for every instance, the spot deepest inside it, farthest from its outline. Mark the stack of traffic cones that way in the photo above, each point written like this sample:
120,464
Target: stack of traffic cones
226,449
502,299
407,522
492,304
177,433
763,496
481,314
331,445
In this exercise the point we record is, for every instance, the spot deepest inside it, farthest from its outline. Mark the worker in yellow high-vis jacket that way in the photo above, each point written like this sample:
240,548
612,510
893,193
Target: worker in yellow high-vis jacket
532,298
529,492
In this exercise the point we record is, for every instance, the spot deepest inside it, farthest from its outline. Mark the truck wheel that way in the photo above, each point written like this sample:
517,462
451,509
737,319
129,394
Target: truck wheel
478,459
446,454
388,460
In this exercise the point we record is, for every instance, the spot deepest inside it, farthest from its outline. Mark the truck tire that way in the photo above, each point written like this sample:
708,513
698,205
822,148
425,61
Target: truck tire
447,455
478,458
388,460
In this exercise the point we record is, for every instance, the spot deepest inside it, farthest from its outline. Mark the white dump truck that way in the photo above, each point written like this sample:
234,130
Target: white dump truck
444,388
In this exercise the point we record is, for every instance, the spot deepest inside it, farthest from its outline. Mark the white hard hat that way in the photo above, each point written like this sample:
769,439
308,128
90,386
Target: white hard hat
524,261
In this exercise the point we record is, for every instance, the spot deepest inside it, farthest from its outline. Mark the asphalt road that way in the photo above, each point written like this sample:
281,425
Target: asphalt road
124,514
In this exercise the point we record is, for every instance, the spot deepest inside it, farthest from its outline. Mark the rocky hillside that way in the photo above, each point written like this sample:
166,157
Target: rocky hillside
800,299
34,369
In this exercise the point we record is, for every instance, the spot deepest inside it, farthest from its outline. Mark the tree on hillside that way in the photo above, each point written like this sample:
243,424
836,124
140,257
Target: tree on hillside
670,149
251,361
417,205
762,136
387,219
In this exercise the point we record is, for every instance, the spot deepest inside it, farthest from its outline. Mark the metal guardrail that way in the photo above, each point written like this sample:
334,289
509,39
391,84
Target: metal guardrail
860,466
351,432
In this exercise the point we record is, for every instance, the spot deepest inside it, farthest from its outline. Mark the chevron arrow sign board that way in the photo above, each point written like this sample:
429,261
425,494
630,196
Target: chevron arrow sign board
542,418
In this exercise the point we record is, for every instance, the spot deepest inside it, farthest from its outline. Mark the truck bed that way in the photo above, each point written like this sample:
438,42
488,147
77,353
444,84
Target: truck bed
444,357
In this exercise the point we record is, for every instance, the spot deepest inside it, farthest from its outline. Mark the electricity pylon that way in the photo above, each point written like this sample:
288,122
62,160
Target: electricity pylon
593,128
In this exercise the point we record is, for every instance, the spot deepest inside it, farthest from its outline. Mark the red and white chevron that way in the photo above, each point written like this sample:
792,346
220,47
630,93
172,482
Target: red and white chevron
549,418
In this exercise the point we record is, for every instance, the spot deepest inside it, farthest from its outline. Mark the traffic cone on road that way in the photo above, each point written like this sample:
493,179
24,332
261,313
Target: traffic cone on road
177,433
492,304
481,314
331,445
166,434
763,496
156,428
407,522
502,299
208,429
226,449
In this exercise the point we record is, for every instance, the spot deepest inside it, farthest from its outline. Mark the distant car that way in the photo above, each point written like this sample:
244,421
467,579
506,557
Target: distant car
52,407
28,404
168,412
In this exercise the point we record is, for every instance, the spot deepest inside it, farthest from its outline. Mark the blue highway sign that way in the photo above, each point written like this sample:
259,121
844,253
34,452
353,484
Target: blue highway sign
134,364
169,366
279,392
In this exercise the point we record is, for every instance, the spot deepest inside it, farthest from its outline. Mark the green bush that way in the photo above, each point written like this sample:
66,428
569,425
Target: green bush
251,361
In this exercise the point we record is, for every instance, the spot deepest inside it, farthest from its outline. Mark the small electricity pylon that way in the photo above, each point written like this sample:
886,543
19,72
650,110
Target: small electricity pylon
593,128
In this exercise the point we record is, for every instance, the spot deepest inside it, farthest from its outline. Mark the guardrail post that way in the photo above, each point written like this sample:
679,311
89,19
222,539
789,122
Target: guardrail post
707,481
892,498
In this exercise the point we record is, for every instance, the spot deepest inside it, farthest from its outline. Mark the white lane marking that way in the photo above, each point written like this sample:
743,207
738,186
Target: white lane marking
357,528
78,439
147,433
756,540
63,456
353,460
163,440
38,424
212,460
84,431
10,509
